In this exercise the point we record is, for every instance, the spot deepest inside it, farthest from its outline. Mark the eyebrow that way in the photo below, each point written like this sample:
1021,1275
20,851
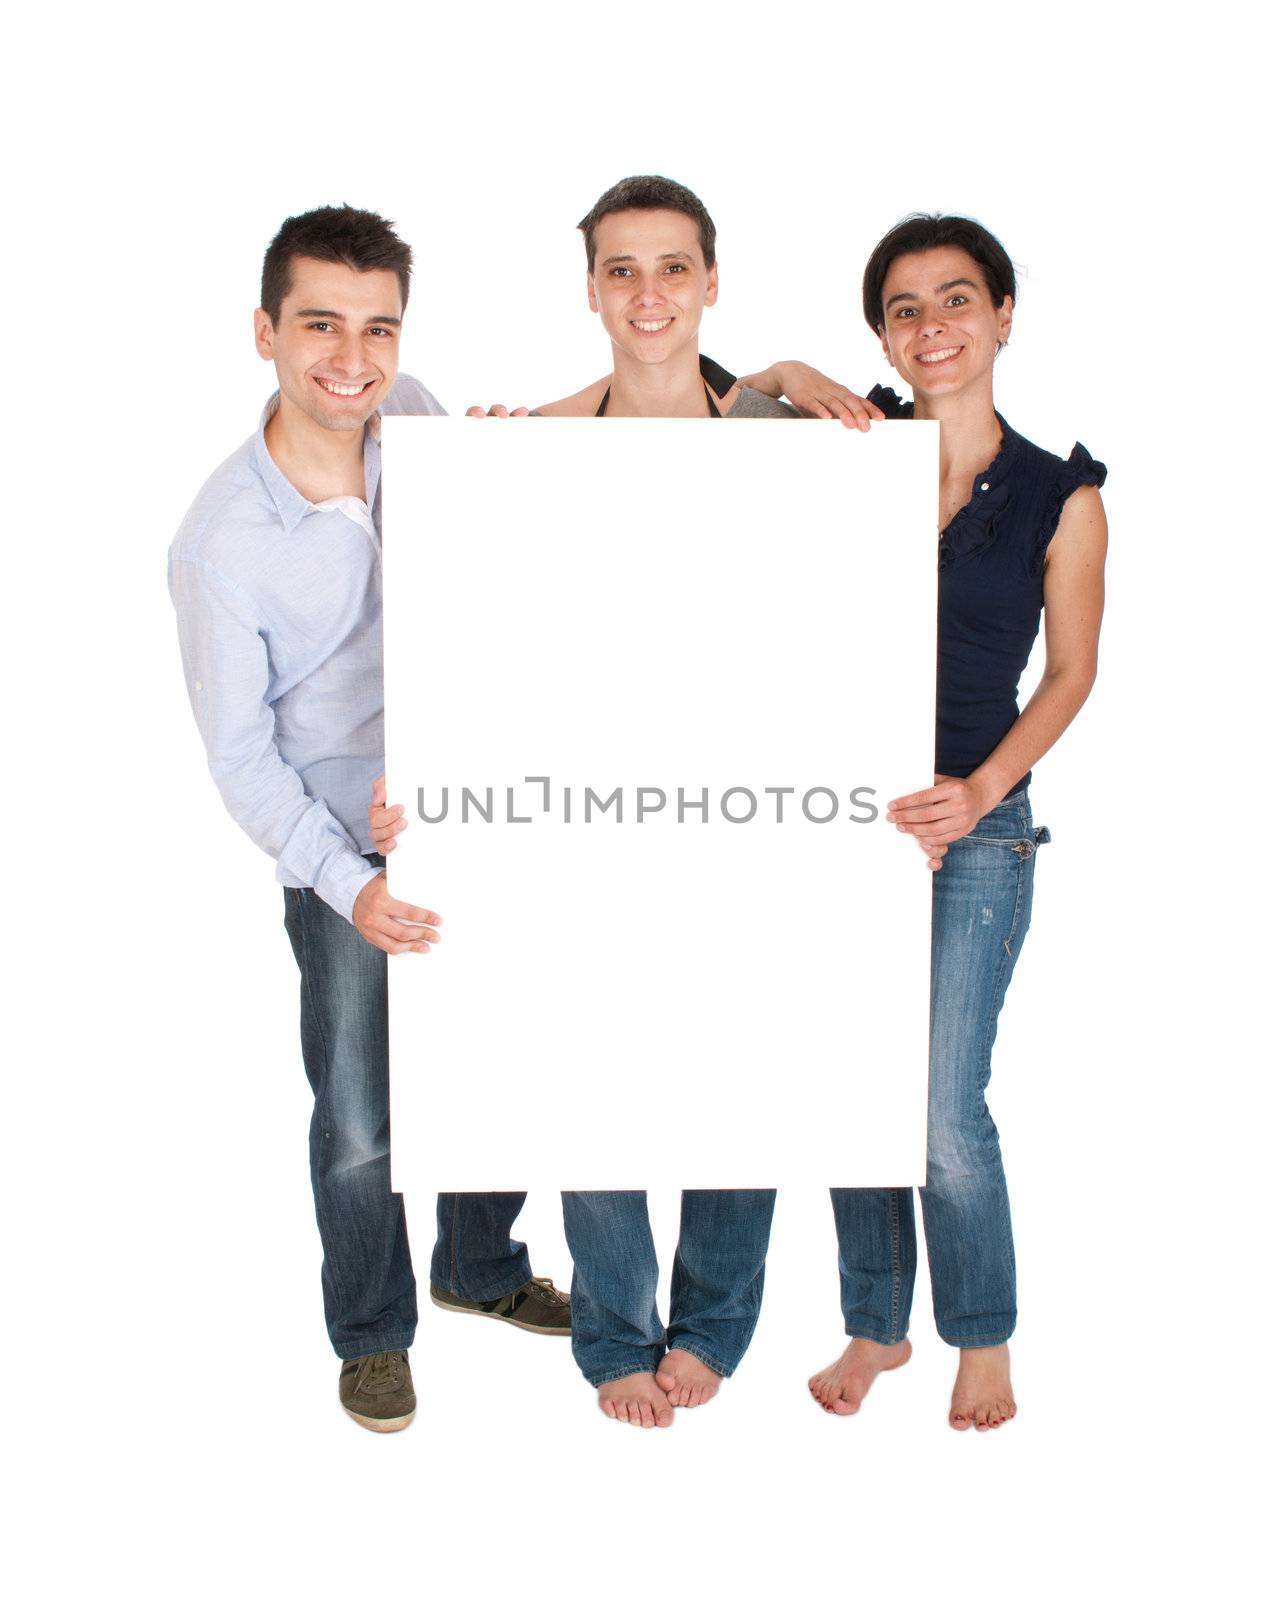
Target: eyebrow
952,283
671,255
338,316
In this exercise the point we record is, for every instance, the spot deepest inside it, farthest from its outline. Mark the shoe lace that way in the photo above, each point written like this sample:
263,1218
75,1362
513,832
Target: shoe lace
543,1289
380,1372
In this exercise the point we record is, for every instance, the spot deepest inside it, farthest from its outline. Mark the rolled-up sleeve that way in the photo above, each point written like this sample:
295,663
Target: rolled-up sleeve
225,663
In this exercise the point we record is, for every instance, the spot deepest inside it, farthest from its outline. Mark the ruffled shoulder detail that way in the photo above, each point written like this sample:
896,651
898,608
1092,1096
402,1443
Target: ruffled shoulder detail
1080,469
891,403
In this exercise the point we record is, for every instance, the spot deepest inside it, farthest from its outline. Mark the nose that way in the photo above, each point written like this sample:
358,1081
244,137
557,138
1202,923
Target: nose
349,358
649,292
932,323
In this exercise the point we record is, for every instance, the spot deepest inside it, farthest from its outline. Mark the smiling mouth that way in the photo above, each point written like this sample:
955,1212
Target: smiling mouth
653,326
934,358
344,391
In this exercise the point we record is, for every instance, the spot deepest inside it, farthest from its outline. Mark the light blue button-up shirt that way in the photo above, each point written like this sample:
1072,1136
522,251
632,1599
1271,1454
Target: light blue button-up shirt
278,602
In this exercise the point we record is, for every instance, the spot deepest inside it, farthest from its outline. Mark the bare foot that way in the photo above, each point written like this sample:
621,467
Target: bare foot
637,1400
840,1388
982,1398
686,1380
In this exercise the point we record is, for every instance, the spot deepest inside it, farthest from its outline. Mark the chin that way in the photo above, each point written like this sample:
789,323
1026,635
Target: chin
343,421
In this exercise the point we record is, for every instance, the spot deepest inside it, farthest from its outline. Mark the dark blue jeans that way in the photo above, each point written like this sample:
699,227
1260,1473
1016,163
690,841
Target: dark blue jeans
368,1287
715,1287
982,908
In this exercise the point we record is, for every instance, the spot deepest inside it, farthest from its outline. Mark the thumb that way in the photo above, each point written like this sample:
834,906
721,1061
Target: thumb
378,794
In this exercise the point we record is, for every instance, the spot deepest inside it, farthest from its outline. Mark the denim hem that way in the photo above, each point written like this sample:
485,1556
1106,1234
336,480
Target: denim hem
1002,1336
619,1372
490,1294
384,1341
682,1343
876,1335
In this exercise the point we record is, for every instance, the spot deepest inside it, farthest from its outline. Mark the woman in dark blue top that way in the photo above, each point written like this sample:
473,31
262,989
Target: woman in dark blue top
1020,529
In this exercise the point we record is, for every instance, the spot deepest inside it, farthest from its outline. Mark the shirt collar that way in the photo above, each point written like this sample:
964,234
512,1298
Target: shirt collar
291,505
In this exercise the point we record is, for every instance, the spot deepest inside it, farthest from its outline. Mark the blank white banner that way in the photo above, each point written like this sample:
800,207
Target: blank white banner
649,688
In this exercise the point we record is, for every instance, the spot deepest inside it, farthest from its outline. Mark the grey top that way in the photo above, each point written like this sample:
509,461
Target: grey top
751,403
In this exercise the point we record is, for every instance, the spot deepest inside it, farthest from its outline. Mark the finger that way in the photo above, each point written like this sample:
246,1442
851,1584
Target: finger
818,408
849,408
900,819
386,846
409,913
497,411
475,411
932,832
920,797
405,933
874,413
391,947
520,411
378,794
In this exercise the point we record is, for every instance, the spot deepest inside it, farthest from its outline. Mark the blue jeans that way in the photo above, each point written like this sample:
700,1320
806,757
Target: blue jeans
368,1287
982,907
715,1287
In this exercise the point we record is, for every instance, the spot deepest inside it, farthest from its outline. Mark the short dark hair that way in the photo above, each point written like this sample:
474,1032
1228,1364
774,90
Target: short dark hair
343,234
923,231
649,194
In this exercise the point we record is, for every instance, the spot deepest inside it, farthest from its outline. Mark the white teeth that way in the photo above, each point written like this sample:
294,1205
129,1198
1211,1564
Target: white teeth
934,356
652,327
347,389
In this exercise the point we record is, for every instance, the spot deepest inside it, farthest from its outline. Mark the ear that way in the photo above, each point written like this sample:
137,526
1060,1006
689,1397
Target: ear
712,286
884,344
590,294
264,334
1005,317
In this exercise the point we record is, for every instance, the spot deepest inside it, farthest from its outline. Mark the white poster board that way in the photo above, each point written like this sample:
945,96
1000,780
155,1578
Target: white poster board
590,626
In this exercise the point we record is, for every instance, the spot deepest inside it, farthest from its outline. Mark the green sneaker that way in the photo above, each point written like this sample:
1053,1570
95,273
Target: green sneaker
538,1306
377,1391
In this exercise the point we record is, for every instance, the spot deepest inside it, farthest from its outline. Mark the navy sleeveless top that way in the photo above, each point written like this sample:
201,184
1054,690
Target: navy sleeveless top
991,559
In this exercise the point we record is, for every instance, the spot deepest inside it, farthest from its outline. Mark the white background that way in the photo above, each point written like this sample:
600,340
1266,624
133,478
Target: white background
706,642
168,1382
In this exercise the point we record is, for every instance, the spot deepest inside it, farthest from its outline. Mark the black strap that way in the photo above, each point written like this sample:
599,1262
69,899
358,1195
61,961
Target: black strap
713,376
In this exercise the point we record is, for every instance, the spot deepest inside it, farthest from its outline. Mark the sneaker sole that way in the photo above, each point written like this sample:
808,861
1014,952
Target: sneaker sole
380,1424
495,1316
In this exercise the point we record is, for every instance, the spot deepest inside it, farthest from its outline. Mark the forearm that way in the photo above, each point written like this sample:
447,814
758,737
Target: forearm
226,666
267,799
767,382
1056,701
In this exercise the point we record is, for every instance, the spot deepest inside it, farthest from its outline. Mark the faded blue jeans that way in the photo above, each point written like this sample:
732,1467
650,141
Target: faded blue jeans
982,907
368,1287
716,1284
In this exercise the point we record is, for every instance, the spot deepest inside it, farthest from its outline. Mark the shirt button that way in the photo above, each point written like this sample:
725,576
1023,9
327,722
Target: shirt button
197,685
984,486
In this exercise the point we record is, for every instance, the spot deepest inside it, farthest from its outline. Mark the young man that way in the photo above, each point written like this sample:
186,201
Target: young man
651,272
275,575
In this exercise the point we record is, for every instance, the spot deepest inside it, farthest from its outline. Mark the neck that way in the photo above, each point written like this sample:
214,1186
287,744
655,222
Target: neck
969,434
319,462
671,388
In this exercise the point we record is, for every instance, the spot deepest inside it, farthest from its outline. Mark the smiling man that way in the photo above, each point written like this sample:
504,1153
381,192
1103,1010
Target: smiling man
275,575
